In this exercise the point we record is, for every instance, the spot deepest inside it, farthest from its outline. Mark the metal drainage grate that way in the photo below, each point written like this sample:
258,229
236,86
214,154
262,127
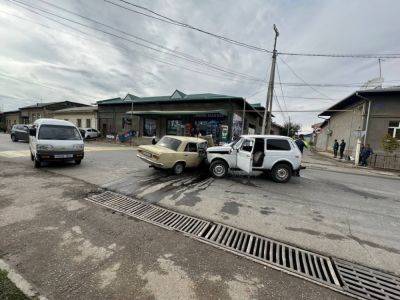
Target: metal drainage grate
366,282
301,262
150,213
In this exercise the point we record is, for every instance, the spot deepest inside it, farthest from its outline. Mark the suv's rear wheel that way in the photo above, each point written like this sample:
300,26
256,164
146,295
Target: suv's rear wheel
281,173
219,168
178,168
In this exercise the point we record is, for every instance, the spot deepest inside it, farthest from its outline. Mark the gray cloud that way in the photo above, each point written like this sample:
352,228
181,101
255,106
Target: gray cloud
100,66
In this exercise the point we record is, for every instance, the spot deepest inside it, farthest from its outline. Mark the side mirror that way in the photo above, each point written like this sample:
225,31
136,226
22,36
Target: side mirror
32,131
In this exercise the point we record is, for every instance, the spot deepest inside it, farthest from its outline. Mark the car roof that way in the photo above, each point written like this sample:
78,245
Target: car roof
53,122
189,139
266,136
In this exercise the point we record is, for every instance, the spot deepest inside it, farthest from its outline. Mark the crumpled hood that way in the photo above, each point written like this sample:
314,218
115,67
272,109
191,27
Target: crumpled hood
219,149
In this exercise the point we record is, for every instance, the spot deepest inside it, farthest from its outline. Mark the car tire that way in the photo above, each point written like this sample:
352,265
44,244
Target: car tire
78,161
281,173
219,169
37,163
178,168
13,138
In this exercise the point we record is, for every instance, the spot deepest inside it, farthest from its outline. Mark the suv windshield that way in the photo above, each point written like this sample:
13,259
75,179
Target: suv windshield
169,143
57,132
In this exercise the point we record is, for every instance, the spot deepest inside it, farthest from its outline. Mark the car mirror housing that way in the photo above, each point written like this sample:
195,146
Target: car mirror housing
32,131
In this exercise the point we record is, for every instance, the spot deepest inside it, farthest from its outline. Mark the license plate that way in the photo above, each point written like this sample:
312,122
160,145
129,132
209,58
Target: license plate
63,156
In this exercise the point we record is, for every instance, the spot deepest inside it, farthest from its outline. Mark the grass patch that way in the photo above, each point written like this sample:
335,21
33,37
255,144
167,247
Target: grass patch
8,290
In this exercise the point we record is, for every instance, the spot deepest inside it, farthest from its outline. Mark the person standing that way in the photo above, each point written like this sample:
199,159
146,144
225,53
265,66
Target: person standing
300,143
365,154
342,146
335,148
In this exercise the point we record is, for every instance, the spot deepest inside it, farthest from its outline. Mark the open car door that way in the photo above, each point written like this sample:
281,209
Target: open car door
244,158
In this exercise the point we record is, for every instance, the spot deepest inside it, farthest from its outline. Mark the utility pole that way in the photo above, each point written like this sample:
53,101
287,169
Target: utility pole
267,120
380,68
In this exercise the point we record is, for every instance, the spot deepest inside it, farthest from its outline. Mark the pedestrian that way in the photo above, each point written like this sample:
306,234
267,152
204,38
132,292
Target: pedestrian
365,154
342,146
300,143
335,148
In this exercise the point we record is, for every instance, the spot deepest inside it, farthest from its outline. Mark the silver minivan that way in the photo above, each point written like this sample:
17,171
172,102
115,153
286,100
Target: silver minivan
55,140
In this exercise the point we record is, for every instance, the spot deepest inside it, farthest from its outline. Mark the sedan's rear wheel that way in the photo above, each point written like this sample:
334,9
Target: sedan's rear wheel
178,168
219,169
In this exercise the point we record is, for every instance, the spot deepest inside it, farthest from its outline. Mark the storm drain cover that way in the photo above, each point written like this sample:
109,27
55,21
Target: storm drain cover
368,283
340,275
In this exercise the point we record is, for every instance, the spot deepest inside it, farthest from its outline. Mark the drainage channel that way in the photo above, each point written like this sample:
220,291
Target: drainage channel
352,279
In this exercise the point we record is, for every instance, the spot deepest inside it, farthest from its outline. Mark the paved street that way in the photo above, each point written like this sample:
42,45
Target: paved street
339,214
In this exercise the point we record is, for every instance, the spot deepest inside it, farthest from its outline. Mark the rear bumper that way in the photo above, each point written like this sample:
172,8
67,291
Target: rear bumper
151,162
60,155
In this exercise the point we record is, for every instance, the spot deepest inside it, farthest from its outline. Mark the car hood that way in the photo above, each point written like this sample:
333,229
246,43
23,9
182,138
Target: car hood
61,145
219,149
155,149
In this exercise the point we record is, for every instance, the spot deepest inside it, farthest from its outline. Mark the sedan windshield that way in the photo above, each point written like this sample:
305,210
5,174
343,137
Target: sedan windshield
169,142
57,132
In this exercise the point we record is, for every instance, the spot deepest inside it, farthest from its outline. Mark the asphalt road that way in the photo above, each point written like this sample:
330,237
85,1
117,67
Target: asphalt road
68,248
349,216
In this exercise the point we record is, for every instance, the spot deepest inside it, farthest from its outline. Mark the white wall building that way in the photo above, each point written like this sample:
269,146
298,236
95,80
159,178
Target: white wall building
82,117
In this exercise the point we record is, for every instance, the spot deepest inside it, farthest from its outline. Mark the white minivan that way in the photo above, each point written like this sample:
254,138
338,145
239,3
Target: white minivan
276,155
55,140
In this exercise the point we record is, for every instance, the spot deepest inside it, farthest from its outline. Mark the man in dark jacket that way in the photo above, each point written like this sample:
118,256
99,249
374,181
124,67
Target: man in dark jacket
342,146
300,143
366,152
335,148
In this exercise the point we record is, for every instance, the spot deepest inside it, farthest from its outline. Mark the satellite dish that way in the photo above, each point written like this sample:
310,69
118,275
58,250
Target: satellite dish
373,83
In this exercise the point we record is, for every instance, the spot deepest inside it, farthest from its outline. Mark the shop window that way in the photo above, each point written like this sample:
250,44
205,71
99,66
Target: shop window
191,147
149,127
394,129
88,123
173,126
79,123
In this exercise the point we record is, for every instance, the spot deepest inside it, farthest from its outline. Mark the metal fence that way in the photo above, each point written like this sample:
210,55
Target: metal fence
382,161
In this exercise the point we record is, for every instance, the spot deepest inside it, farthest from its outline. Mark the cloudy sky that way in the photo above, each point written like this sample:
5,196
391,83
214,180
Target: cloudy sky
46,58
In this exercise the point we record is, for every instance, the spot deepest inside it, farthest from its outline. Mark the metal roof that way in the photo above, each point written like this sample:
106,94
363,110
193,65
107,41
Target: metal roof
175,112
76,109
354,98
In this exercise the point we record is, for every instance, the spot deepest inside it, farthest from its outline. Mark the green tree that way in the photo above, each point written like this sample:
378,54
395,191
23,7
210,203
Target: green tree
389,143
290,129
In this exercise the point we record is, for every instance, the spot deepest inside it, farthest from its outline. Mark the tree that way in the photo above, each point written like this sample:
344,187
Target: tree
389,143
290,129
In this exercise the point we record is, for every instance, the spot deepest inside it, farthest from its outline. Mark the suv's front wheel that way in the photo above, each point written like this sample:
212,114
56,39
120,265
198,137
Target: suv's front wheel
219,169
281,173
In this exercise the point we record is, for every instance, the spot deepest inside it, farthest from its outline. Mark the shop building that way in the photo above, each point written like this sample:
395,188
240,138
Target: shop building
82,117
180,114
11,118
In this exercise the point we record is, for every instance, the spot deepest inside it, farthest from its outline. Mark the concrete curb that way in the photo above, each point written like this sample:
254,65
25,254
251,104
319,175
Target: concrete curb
23,285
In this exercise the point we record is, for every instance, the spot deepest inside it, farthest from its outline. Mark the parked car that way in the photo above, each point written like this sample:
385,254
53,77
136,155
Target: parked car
89,133
174,153
276,155
55,140
20,132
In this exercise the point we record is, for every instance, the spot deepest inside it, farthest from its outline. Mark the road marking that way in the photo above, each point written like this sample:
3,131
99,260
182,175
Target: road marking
26,153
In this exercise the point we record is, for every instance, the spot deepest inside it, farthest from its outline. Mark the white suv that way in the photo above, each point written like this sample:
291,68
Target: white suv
273,154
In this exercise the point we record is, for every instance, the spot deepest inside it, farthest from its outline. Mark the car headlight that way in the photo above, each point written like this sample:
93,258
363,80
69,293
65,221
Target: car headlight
44,147
78,147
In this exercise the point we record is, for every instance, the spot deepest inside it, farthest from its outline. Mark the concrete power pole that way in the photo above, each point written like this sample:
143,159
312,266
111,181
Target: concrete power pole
267,120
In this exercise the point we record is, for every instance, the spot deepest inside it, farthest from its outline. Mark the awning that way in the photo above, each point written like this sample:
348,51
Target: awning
176,112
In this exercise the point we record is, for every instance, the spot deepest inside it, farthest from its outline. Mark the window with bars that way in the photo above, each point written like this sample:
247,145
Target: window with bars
394,129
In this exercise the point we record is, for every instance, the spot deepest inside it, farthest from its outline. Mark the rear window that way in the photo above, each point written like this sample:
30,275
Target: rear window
278,144
57,132
169,142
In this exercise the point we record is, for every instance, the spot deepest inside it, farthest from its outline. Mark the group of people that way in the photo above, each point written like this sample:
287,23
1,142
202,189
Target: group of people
339,147
365,152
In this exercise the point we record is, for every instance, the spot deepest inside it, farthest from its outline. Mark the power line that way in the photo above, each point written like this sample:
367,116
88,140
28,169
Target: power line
172,52
283,94
169,20
299,77
163,18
